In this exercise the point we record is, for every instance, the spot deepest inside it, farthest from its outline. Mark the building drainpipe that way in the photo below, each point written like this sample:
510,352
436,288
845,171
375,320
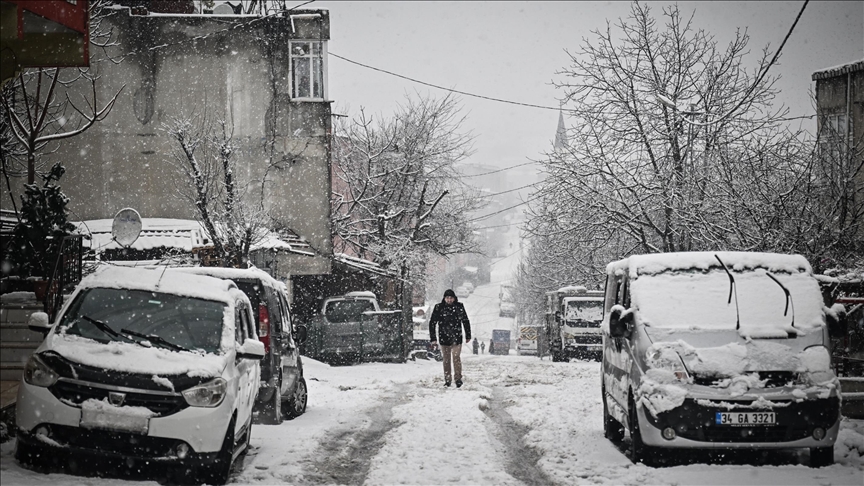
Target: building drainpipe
848,133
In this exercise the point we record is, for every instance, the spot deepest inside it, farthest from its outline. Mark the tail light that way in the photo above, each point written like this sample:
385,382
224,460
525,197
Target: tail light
264,326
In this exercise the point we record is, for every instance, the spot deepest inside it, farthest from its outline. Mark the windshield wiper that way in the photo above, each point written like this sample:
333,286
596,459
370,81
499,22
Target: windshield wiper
788,297
732,287
105,328
155,339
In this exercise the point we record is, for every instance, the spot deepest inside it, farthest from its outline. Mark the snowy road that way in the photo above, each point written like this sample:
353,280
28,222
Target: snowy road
517,420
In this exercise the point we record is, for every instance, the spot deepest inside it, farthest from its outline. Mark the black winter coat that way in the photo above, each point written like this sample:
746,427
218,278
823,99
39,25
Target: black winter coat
450,319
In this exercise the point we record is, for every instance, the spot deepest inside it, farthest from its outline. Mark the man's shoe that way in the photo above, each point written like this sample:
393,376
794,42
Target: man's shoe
447,383
458,383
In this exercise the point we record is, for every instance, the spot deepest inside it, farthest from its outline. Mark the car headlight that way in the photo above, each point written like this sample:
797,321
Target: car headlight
667,360
208,394
37,373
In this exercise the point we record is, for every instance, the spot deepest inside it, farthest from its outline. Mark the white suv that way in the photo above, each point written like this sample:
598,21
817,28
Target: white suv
145,366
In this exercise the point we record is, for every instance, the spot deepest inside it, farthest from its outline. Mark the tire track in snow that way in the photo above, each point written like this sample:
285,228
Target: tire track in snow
344,455
521,459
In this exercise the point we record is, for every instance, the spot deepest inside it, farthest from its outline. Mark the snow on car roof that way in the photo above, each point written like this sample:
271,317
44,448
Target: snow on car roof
232,273
573,289
703,260
586,298
157,279
361,293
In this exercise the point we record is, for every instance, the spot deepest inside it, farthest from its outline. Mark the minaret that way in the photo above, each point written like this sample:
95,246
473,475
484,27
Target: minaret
560,143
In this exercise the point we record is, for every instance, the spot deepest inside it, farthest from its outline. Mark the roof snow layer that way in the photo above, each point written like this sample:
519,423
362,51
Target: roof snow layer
656,263
158,280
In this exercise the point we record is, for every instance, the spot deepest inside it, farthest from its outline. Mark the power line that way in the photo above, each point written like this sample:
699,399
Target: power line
758,79
499,170
479,218
489,98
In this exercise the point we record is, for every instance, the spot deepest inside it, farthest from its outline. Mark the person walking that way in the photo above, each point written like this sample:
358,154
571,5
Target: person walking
450,318
483,347
491,347
476,346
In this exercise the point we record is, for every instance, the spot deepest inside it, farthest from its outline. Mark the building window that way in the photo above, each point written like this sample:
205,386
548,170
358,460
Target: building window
835,136
307,70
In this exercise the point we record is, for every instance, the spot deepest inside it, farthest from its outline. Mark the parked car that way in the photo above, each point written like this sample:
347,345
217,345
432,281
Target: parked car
144,367
718,350
352,328
461,292
283,392
468,285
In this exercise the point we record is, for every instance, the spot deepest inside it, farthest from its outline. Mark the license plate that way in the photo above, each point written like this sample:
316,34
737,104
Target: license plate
109,419
745,418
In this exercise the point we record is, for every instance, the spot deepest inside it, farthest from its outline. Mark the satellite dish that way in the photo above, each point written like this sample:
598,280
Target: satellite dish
126,227
223,9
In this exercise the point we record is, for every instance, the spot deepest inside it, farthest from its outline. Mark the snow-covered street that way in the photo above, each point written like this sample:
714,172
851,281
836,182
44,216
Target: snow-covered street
517,420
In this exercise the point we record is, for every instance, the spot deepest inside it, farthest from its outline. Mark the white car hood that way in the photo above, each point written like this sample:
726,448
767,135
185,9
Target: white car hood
134,358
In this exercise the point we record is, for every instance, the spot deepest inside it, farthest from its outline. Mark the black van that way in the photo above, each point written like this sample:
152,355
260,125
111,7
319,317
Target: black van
281,368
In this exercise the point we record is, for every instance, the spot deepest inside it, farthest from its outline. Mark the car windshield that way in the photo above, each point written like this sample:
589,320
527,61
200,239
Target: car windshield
700,300
346,310
585,310
186,322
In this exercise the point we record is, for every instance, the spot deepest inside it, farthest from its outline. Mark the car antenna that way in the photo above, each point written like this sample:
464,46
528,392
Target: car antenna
160,277
732,287
788,297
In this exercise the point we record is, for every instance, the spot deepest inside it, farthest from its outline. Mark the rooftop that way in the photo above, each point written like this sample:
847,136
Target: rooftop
852,67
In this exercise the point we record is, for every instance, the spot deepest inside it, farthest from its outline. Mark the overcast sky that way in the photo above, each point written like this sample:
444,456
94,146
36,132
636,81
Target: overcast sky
512,50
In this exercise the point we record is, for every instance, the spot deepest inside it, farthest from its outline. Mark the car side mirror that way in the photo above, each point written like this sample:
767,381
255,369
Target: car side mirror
619,326
836,324
39,323
301,334
251,349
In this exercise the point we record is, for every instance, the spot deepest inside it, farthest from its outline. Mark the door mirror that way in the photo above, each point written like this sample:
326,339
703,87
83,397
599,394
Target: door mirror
39,322
301,334
619,326
251,349
837,323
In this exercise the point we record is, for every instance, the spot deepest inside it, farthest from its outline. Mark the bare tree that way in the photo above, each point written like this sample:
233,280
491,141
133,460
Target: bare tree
232,220
40,109
675,145
397,193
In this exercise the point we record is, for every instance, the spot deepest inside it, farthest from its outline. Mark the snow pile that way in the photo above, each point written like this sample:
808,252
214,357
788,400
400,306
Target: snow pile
657,394
850,443
18,297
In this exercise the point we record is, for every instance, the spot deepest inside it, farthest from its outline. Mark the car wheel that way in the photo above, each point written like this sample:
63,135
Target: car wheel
639,452
219,471
821,456
297,404
271,411
31,456
612,430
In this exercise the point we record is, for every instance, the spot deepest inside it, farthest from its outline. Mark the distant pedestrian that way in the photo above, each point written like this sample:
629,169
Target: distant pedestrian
450,318
483,348
475,345
491,347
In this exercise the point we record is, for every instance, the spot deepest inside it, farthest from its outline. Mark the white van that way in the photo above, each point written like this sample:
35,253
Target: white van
718,350
147,366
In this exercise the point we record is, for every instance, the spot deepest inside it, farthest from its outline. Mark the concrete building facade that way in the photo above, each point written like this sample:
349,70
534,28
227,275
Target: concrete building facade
264,75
